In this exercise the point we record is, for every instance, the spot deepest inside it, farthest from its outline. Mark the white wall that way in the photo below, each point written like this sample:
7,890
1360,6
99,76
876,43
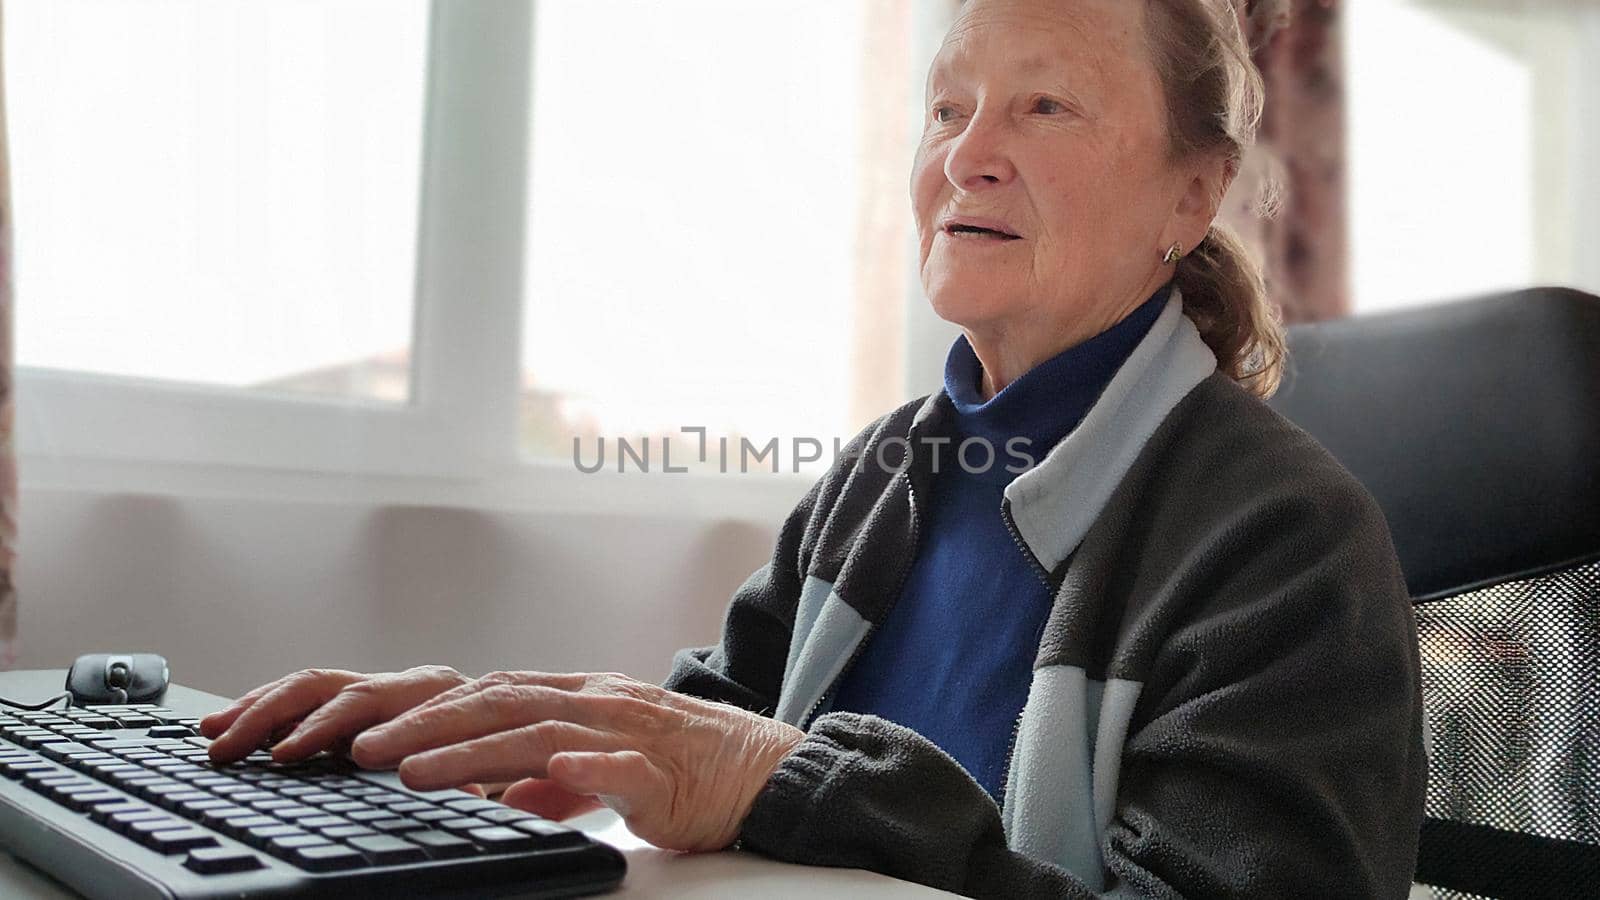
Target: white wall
236,591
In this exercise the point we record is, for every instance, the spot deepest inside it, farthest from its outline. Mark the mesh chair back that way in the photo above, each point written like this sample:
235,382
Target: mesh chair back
1511,693
1476,425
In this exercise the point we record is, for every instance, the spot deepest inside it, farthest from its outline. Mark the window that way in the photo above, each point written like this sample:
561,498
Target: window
402,240
1473,147
232,199
696,208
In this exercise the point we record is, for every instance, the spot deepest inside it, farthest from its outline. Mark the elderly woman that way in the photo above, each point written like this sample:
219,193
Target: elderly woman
1092,619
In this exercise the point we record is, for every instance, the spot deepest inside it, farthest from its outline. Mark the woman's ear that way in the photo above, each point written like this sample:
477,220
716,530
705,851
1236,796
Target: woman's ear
1202,196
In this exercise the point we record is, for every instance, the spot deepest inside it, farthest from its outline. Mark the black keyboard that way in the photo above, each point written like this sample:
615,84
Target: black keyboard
123,802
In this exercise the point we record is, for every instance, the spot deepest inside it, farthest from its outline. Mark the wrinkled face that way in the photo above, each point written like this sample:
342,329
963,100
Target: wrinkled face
1044,120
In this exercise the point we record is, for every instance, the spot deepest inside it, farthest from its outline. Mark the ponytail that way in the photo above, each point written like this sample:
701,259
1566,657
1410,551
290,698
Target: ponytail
1225,295
1214,96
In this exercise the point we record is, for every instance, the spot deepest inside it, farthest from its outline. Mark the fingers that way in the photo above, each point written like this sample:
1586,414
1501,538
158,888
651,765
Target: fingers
502,756
628,782
363,704
501,707
287,700
559,680
544,797
218,722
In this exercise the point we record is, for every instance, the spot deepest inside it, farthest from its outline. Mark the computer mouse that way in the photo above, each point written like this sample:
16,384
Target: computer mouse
118,678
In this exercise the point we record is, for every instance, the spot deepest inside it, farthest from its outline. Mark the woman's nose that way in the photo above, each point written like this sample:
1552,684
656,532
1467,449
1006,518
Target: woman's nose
979,157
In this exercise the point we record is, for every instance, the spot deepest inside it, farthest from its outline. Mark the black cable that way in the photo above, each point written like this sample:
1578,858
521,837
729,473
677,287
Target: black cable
35,707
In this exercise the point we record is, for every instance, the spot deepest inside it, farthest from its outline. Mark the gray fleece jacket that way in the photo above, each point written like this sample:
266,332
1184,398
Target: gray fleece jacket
1225,700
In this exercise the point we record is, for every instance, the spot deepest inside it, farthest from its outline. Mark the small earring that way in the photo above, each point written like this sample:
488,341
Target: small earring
1174,254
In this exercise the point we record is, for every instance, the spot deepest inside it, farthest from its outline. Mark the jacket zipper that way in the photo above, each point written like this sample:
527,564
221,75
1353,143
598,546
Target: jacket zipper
861,646
1044,575
1027,552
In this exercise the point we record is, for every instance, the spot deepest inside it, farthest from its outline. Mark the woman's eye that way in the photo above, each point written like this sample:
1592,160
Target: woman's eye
1048,106
941,109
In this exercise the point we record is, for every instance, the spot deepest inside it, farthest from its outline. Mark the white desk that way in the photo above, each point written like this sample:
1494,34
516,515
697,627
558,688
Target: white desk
652,872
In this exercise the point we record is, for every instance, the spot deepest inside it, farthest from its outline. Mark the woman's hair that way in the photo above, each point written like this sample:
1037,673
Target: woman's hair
1214,96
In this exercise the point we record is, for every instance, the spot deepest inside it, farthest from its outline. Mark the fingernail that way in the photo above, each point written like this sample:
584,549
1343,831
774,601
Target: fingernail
368,747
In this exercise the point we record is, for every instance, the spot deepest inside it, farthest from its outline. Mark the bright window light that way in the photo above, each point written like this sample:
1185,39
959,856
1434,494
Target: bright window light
694,186
218,191
1441,131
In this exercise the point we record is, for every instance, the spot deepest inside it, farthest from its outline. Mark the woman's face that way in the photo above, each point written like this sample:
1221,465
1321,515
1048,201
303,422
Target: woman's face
1045,118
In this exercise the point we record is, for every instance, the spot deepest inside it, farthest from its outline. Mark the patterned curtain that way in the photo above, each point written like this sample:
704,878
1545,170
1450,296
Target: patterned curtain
8,455
1300,152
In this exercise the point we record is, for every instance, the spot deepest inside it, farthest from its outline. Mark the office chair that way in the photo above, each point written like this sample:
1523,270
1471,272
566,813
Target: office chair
1476,425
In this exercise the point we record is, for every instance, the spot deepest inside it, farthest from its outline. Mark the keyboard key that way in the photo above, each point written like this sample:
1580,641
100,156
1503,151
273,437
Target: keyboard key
20,769
218,815
473,804
33,738
175,800
280,846
100,812
362,815
170,731
272,803
44,780
462,825
178,840
124,746
162,793
327,858
550,834
340,832
414,806
436,815
396,825
78,801
113,768
441,845
348,807
62,749
500,839
241,824
216,860
323,822
383,849
316,799
191,775
152,825
503,815
391,801
121,822
268,832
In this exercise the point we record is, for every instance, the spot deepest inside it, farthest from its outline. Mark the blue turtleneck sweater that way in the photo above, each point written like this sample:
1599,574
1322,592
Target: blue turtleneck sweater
954,659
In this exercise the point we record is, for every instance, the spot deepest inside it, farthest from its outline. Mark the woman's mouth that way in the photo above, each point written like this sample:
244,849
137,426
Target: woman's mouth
975,233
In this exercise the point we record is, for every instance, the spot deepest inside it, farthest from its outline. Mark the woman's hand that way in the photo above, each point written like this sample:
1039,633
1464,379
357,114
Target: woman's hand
331,707
682,772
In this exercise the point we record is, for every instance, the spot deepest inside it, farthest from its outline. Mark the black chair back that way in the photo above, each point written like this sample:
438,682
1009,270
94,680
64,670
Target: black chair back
1476,425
